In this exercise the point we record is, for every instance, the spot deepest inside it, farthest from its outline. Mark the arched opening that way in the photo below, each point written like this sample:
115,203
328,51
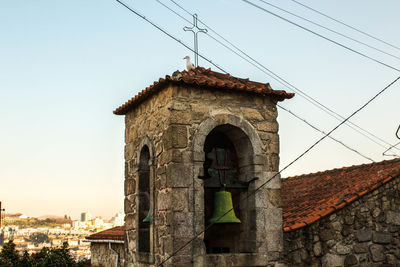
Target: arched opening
144,201
228,164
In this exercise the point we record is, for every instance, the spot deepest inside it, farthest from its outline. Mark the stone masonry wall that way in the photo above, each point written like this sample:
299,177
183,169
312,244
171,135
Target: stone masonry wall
102,256
171,123
363,233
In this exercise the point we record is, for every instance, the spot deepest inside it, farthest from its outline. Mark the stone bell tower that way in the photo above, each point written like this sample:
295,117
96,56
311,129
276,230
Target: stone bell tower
189,136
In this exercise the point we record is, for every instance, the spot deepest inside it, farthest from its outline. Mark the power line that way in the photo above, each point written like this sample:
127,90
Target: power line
287,166
315,128
328,29
347,25
281,80
168,34
321,36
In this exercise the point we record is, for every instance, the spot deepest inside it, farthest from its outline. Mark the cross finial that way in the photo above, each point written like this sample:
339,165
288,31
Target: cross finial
195,29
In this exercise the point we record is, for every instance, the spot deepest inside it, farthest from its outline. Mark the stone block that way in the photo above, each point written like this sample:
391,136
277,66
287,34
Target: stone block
274,196
130,186
163,200
180,117
348,219
182,224
332,260
179,199
377,253
130,221
337,226
180,106
252,114
129,207
393,217
175,136
382,238
326,235
360,248
317,249
267,126
181,243
179,175
364,235
350,260
273,219
274,240
342,249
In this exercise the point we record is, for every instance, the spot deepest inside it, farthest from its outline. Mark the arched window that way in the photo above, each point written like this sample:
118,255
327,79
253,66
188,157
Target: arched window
221,170
144,201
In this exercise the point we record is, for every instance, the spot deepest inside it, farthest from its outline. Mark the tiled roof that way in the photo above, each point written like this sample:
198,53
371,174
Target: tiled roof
116,233
204,78
309,197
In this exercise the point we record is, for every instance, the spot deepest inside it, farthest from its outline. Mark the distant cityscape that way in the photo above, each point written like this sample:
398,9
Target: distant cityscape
32,233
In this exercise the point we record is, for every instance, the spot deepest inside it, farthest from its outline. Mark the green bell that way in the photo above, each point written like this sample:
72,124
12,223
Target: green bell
147,219
223,204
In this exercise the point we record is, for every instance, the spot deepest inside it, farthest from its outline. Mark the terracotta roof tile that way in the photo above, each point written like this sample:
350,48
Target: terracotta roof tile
307,198
116,233
204,77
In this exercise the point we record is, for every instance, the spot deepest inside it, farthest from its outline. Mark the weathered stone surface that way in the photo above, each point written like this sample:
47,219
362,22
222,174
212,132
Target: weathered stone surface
337,226
359,234
360,248
180,199
350,260
393,217
363,235
274,196
317,249
267,126
342,249
332,260
179,175
101,255
130,186
174,123
381,238
252,114
326,235
175,136
377,253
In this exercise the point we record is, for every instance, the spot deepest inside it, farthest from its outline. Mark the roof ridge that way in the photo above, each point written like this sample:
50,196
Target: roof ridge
345,168
208,78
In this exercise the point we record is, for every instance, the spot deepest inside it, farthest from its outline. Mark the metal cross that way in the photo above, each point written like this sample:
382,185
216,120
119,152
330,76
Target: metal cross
195,29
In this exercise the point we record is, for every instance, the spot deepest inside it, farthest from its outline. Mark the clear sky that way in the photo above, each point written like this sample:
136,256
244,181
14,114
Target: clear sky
66,65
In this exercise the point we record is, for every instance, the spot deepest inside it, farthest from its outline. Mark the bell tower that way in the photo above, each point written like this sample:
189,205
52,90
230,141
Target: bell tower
198,145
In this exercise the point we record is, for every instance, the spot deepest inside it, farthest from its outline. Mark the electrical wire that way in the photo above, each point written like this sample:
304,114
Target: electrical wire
287,166
331,137
167,33
321,36
328,29
279,79
345,24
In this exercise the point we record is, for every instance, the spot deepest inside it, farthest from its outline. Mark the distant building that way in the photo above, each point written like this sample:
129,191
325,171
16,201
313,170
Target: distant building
118,219
98,222
86,216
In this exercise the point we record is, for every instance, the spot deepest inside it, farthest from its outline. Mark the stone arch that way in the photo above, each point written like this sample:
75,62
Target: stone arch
249,151
208,124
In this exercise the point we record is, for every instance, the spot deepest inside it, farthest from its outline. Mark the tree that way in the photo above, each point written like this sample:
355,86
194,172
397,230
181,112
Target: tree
47,257
38,238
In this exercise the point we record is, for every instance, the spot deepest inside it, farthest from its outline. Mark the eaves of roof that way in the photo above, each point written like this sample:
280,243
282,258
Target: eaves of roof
204,78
